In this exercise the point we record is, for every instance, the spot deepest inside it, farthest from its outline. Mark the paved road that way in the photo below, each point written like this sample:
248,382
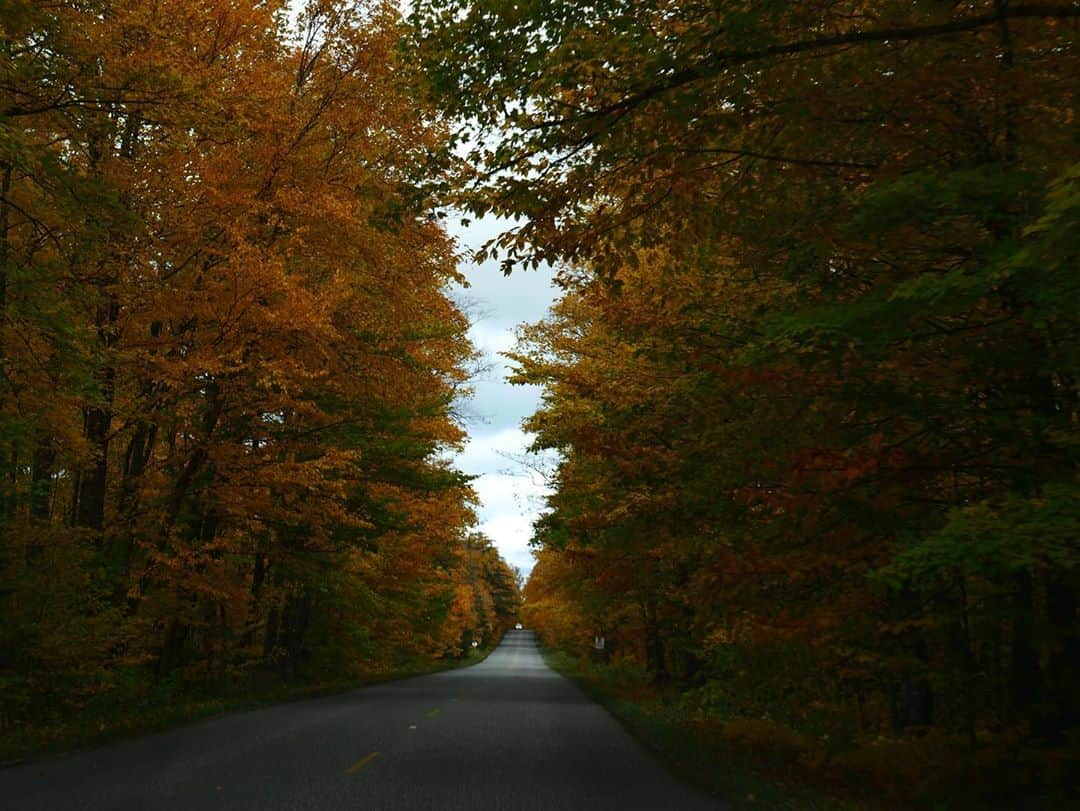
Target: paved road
506,734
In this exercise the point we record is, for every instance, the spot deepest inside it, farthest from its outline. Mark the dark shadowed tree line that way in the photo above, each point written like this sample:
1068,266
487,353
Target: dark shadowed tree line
813,377
228,363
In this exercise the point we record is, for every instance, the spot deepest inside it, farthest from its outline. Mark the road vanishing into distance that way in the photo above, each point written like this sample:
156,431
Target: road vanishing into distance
506,734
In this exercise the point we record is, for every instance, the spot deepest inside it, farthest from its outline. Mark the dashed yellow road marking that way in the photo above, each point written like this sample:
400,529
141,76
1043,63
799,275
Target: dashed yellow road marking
361,763
434,712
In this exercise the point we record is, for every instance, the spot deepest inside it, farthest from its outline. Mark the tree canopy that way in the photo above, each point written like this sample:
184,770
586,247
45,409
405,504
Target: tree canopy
813,376
228,361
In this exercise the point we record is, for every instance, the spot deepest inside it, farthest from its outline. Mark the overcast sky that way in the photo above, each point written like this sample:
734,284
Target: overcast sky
511,493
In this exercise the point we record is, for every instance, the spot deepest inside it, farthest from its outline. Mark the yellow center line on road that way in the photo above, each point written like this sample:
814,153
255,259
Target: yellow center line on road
361,763
434,712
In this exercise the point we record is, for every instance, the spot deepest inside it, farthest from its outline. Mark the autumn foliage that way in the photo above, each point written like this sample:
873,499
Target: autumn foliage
228,364
813,377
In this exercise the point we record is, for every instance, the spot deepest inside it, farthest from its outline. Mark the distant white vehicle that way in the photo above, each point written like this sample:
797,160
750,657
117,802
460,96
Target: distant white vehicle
518,626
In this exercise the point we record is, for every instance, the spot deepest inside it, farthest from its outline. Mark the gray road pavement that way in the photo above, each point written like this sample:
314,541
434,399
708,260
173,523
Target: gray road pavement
506,734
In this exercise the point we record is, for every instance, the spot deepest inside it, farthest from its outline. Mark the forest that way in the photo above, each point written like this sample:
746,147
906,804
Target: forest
812,381
229,366
812,384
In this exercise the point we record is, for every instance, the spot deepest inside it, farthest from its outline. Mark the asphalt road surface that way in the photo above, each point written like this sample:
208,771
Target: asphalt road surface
505,734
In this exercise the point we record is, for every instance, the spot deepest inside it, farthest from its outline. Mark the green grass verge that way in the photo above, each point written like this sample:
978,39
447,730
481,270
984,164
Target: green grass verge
687,748
119,720
761,764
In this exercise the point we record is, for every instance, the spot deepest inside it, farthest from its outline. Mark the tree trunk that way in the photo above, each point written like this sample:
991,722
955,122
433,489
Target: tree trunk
93,480
6,462
1061,711
1025,675
97,428
655,660
172,649
294,625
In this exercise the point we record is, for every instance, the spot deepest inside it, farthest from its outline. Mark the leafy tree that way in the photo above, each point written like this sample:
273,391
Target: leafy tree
228,359
812,375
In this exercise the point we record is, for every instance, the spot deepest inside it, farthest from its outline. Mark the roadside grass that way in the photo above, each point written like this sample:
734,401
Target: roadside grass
690,749
128,715
760,764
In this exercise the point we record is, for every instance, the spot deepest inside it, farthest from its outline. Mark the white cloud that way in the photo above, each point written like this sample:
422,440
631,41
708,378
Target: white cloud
513,533
511,494
491,452
491,339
